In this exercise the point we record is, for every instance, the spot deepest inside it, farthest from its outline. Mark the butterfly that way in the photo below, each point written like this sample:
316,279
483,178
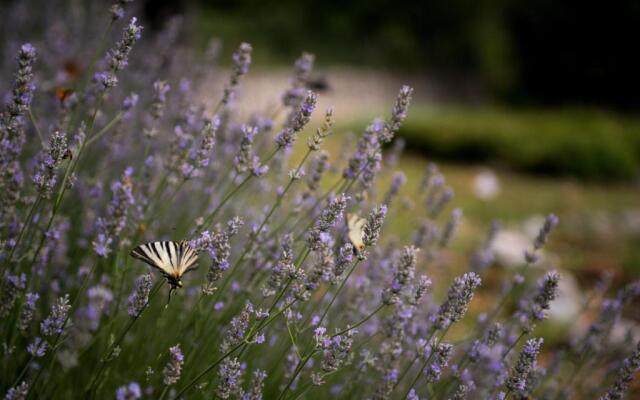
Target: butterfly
356,231
172,259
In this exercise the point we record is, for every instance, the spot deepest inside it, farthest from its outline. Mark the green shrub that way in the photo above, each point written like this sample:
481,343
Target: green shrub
579,143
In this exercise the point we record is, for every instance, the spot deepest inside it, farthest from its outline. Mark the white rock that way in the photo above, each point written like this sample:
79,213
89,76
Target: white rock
566,307
486,185
509,247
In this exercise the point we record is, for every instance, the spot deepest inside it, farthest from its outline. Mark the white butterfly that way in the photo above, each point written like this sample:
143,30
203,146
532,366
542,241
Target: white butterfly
356,231
172,259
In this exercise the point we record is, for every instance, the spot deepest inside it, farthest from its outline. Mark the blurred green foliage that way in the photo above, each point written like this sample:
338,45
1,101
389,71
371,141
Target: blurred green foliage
580,143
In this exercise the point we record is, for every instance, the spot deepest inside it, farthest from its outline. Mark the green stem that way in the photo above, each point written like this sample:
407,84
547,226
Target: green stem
116,343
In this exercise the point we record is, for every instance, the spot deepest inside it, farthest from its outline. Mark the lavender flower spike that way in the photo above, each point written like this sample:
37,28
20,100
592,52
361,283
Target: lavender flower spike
54,324
526,363
19,392
630,366
297,122
459,296
398,114
173,369
373,227
241,62
140,297
550,223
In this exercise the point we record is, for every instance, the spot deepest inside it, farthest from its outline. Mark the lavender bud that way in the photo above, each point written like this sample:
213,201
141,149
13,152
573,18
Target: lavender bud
159,100
526,363
38,348
11,285
397,181
55,323
28,310
322,132
344,259
298,121
373,226
241,61
19,392
229,378
626,372
282,269
459,296
439,361
550,222
318,167
49,160
256,387
398,114
450,228
405,272
139,298
244,158
173,369
119,55
132,391
303,67
329,216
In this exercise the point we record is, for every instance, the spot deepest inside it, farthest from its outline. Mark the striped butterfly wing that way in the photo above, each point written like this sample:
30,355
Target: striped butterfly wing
172,259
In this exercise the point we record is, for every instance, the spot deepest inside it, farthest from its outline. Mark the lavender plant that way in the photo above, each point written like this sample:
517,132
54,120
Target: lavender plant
283,305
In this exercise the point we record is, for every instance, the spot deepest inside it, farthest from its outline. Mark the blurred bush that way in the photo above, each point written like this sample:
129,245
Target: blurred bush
579,143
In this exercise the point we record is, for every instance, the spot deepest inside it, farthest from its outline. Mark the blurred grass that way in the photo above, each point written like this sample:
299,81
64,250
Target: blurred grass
588,144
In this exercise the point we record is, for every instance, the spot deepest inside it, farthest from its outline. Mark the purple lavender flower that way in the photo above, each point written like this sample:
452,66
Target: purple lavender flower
297,122
55,323
173,369
526,363
118,57
397,181
398,114
450,228
131,391
367,147
329,216
116,220
119,54
459,296
342,262
10,287
28,310
237,328
322,133
229,374
38,348
19,392
404,274
217,244
49,160
241,62
117,9
245,156
626,372
550,223
139,298
439,361
373,226
12,136
257,384
303,66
